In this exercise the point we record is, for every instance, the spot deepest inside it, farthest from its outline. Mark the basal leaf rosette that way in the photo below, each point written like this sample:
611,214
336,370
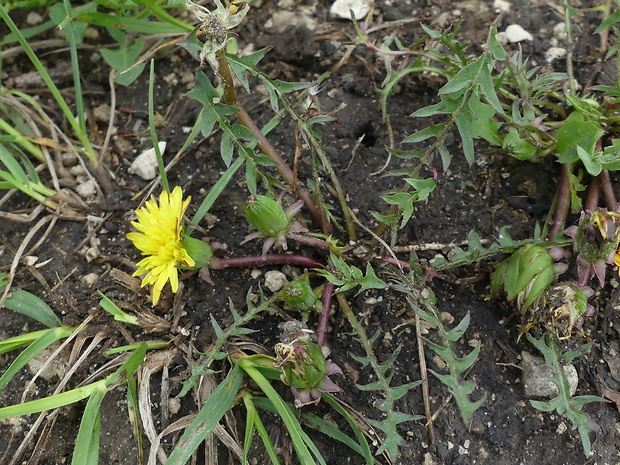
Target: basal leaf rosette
160,239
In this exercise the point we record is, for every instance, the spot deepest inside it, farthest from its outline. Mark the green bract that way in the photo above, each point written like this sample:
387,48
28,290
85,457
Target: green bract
306,368
266,215
200,251
518,148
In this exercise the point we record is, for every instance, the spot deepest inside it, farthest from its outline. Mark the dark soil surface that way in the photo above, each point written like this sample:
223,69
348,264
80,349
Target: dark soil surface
505,430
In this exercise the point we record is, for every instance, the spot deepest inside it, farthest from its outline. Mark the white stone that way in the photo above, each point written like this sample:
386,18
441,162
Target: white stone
282,19
145,164
34,18
537,377
501,6
559,31
255,273
515,33
90,279
87,188
342,8
554,53
275,280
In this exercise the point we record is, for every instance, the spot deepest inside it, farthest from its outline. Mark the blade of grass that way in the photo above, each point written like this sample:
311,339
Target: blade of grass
28,304
210,414
160,160
47,338
86,451
298,437
254,420
83,137
215,192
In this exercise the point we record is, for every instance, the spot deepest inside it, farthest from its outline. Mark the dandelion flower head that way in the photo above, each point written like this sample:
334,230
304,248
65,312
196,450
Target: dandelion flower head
159,238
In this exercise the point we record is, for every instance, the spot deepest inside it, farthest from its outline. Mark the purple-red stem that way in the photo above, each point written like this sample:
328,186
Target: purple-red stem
608,190
594,194
563,201
262,260
321,330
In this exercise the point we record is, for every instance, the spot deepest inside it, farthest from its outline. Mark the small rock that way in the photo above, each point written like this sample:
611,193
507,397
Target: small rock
102,113
515,33
174,405
559,31
275,280
501,6
255,273
554,53
90,279
34,18
537,377
342,8
69,159
282,19
87,188
54,370
145,164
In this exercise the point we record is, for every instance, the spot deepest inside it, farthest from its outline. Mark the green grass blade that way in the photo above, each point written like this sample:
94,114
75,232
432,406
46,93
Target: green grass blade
90,152
210,414
19,341
253,420
151,108
47,338
28,304
215,192
116,312
51,402
86,451
365,448
298,437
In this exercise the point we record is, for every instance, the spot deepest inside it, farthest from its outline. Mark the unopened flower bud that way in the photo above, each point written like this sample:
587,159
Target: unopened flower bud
266,215
515,146
200,251
299,295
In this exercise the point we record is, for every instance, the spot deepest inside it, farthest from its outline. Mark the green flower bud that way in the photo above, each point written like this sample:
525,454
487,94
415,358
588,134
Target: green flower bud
200,251
517,147
299,295
266,215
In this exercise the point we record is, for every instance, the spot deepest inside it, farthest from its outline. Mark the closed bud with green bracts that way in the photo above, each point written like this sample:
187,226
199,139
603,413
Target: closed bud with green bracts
525,275
299,295
266,215
200,251
518,148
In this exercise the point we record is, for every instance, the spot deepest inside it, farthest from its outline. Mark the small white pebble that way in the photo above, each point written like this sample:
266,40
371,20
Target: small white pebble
275,280
255,273
174,405
501,6
559,31
515,33
554,53
145,164
342,8
90,279
87,188
34,18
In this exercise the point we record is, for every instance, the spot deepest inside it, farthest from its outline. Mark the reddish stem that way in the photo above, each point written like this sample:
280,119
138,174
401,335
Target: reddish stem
563,201
594,194
321,331
262,260
608,190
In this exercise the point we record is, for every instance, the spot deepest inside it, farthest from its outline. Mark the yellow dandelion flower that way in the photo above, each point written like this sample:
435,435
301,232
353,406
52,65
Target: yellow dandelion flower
160,239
